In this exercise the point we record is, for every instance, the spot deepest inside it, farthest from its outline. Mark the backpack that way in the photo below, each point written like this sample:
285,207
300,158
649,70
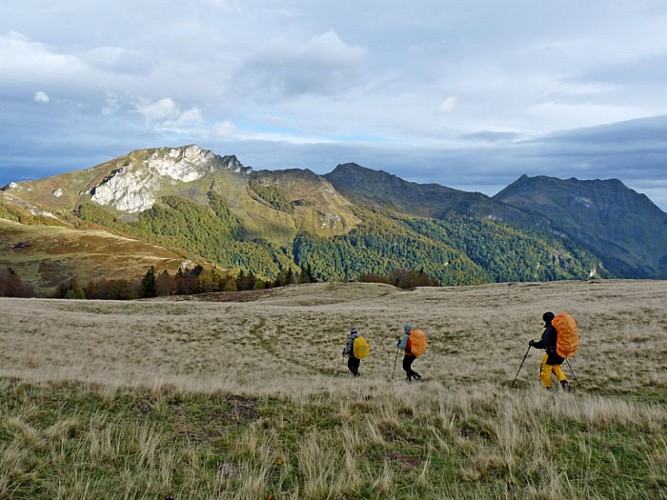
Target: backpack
417,342
568,335
360,348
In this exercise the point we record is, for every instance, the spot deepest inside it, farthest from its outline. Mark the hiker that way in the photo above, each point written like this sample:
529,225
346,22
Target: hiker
408,357
352,361
552,360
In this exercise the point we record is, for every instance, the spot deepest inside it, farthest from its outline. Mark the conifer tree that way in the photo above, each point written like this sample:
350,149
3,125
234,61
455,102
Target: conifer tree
149,284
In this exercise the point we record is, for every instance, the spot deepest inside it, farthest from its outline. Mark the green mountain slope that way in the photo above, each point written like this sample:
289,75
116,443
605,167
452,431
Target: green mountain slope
380,189
45,256
624,228
193,204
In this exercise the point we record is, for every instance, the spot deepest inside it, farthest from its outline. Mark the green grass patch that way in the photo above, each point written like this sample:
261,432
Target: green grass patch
75,440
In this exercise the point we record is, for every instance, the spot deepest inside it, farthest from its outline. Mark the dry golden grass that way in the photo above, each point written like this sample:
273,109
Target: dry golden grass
290,340
282,416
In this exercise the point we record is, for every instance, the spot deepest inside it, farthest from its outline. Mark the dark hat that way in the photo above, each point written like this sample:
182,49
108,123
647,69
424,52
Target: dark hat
353,330
547,317
407,328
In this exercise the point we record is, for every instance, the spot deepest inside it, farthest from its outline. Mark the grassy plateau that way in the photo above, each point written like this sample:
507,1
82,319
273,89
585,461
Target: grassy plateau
247,395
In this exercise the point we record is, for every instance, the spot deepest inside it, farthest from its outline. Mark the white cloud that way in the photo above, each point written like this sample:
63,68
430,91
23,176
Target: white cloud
427,74
323,65
224,129
158,111
22,60
191,115
448,104
41,97
561,115
166,113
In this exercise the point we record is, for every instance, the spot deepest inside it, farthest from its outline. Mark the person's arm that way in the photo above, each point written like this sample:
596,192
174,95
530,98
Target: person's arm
348,346
403,343
544,341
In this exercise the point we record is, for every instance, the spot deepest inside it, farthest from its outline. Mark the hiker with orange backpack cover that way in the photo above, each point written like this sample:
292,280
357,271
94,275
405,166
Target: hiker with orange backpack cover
552,361
410,356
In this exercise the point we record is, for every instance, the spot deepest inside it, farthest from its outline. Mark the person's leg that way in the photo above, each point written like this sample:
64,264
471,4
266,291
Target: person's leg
545,373
560,375
357,363
555,361
353,365
407,366
415,375
558,371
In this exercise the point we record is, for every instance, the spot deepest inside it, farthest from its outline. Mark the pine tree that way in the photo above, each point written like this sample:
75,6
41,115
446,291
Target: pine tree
149,284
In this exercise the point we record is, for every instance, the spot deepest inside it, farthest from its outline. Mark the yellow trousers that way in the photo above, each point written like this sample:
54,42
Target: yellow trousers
546,370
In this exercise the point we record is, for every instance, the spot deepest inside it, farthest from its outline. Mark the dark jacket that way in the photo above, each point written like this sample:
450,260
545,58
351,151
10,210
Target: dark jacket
548,343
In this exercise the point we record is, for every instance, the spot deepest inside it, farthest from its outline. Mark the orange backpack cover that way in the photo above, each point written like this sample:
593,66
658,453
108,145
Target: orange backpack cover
568,335
417,342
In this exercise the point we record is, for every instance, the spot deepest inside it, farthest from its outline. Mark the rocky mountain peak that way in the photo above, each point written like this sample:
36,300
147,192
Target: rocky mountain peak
134,186
186,164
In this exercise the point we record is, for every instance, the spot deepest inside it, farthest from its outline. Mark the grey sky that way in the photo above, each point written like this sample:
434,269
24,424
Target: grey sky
468,94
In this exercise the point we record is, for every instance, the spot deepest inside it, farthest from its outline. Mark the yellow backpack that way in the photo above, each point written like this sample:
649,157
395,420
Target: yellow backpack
360,348
417,342
568,335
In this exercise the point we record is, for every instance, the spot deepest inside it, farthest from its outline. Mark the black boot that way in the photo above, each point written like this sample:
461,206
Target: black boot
565,385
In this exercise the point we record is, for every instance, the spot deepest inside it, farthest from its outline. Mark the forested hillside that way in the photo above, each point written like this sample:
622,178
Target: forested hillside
456,251
212,211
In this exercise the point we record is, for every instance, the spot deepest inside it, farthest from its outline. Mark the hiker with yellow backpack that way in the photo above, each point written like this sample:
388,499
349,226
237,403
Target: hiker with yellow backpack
560,341
356,349
414,344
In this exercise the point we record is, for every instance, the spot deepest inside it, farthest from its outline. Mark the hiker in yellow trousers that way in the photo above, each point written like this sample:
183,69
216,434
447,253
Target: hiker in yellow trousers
551,362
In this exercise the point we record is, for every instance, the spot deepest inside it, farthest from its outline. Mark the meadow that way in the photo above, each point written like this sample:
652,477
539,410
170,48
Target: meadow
247,395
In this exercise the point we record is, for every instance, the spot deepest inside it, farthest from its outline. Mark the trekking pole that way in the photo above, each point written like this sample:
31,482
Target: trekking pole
517,373
395,359
573,374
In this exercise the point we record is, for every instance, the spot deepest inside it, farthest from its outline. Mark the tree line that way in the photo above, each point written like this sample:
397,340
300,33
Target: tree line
190,281
11,285
401,278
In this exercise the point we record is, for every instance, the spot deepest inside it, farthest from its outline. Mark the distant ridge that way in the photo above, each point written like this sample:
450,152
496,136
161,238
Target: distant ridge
372,187
190,203
622,226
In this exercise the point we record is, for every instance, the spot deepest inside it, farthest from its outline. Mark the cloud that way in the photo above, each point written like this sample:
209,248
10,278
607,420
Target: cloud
112,105
158,111
643,71
120,61
633,151
460,93
192,115
41,97
224,129
23,60
165,112
323,65
448,104
490,136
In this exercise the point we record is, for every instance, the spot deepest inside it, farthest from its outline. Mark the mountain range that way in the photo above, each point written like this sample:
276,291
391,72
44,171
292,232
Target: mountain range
170,207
